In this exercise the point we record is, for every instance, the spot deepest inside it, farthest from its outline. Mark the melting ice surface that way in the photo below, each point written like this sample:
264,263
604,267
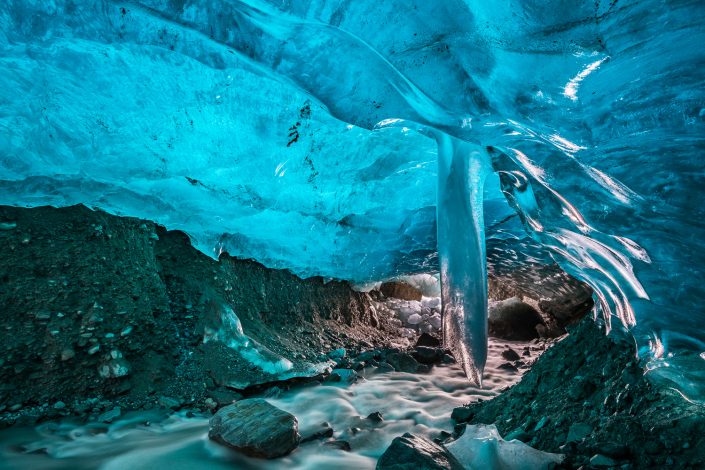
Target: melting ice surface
252,125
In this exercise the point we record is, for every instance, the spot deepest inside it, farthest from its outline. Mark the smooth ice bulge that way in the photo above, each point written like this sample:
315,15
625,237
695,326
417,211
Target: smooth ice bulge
251,125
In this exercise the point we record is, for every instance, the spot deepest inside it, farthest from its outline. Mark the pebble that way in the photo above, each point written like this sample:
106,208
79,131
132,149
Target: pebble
599,460
321,431
337,354
518,434
343,375
168,402
342,445
110,415
510,355
578,431
462,414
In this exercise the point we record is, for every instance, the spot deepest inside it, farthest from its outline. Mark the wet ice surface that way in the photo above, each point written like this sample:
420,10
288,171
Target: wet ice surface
416,403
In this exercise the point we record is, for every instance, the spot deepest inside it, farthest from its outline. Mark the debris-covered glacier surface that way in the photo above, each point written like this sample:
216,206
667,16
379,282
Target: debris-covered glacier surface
307,135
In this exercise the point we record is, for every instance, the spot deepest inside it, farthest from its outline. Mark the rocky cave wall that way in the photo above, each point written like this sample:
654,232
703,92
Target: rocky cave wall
95,305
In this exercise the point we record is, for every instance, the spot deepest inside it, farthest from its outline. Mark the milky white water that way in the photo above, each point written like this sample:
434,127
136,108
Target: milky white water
416,403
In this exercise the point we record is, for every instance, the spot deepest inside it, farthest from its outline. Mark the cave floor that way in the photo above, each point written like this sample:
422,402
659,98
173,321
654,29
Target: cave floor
156,439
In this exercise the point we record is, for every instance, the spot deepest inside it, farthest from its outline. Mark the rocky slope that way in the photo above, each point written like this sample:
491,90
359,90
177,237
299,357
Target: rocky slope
587,397
98,310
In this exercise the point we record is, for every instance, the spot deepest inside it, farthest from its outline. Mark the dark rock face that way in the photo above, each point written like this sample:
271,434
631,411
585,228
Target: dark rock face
410,452
586,396
561,299
400,290
99,305
255,428
514,320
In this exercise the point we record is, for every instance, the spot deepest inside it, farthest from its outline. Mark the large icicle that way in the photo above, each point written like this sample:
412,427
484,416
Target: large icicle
462,168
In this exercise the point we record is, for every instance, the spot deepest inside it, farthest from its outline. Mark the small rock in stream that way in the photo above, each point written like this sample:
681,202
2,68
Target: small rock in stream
320,431
111,415
342,445
510,355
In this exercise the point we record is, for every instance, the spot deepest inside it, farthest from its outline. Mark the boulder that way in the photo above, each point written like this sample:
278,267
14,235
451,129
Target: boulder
343,375
400,290
384,367
578,431
427,339
403,362
410,452
427,355
223,396
513,319
255,428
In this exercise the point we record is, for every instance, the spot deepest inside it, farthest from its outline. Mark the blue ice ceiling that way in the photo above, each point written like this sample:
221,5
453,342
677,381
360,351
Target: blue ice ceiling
306,134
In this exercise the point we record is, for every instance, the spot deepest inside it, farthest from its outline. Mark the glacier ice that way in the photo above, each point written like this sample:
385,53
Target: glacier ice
314,135
462,169
481,446
227,329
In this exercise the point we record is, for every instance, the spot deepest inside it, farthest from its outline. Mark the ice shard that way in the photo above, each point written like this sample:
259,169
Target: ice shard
462,169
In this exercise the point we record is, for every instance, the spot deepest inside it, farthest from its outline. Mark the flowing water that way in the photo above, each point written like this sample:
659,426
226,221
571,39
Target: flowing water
153,440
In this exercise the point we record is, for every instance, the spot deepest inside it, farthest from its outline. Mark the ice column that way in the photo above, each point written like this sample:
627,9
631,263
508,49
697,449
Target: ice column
462,168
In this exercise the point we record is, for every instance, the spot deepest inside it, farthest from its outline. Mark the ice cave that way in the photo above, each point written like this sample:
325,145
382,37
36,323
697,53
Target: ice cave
352,234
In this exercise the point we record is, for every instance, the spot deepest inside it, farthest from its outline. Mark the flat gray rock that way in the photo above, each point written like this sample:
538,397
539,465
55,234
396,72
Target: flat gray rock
255,428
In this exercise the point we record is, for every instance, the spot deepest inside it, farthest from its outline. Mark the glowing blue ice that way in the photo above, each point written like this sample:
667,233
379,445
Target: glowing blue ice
251,126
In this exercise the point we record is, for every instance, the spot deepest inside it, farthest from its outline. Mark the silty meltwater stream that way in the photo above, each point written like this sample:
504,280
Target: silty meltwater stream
152,440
